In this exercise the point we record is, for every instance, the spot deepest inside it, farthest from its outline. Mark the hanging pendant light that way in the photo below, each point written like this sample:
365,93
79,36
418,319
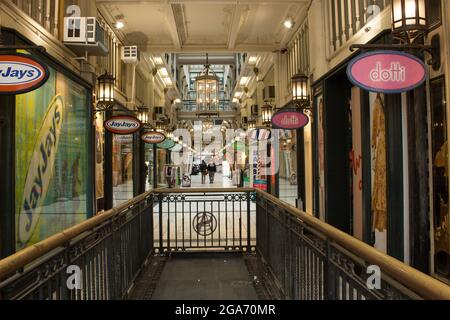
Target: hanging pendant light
207,89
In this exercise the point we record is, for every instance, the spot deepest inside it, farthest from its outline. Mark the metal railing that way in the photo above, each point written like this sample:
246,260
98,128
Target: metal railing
311,260
307,258
204,219
95,260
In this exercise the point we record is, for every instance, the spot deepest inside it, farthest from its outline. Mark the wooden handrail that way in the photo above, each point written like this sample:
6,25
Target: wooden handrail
23,257
421,283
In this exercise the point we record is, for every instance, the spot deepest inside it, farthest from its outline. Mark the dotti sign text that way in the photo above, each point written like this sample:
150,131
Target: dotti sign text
289,119
387,72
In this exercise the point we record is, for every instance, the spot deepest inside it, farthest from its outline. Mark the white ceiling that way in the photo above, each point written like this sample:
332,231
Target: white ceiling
205,25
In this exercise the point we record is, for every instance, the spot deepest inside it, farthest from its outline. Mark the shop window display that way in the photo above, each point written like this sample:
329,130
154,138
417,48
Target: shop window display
99,155
52,173
122,168
288,167
440,179
148,167
379,182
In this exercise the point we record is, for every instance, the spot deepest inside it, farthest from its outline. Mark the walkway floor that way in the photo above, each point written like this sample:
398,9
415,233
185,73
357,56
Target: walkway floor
197,277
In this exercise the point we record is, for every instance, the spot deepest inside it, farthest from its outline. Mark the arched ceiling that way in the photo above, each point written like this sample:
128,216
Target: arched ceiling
205,25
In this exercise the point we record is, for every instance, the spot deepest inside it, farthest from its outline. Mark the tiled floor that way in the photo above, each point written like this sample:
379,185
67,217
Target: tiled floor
222,277
288,192
220,181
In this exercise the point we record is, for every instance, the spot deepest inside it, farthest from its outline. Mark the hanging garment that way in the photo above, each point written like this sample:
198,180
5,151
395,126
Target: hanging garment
441,160
379,202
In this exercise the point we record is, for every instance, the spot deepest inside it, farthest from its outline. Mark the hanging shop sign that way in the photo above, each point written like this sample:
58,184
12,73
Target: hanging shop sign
153,137
122,124
289,119
166,144
387,72
124,139
21,73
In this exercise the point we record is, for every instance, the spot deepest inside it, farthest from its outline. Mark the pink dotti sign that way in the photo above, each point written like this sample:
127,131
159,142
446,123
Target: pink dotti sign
289,119
387,72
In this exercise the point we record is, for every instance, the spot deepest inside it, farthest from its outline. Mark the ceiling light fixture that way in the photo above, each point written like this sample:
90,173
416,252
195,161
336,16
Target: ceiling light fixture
207,90
120,25
288,23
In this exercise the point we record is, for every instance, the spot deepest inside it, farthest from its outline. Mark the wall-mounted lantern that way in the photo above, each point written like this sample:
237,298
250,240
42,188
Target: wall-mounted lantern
409,19
142,115
105,89
300,91
267,112
409,22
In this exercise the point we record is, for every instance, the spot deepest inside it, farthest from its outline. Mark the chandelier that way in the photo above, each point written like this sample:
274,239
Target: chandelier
207,124
207,89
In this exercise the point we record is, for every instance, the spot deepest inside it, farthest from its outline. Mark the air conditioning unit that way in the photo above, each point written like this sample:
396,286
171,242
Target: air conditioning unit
254,110
159,110
130,54
85,34
269,93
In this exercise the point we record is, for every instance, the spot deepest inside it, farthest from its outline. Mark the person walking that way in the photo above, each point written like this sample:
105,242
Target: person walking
212,171
204,171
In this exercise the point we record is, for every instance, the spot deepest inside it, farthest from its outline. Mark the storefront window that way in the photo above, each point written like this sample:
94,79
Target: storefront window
288,167
148,167
52,175
99,154
162,161
122,168
440,179
378,165
321,155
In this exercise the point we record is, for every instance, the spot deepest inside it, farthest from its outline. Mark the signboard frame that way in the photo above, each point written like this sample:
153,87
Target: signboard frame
292,111
153,132
354,79
35,63
106,126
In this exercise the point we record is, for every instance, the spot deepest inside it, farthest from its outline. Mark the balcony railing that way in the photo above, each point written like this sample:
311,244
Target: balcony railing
346,17
191,106
306,258
45,12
